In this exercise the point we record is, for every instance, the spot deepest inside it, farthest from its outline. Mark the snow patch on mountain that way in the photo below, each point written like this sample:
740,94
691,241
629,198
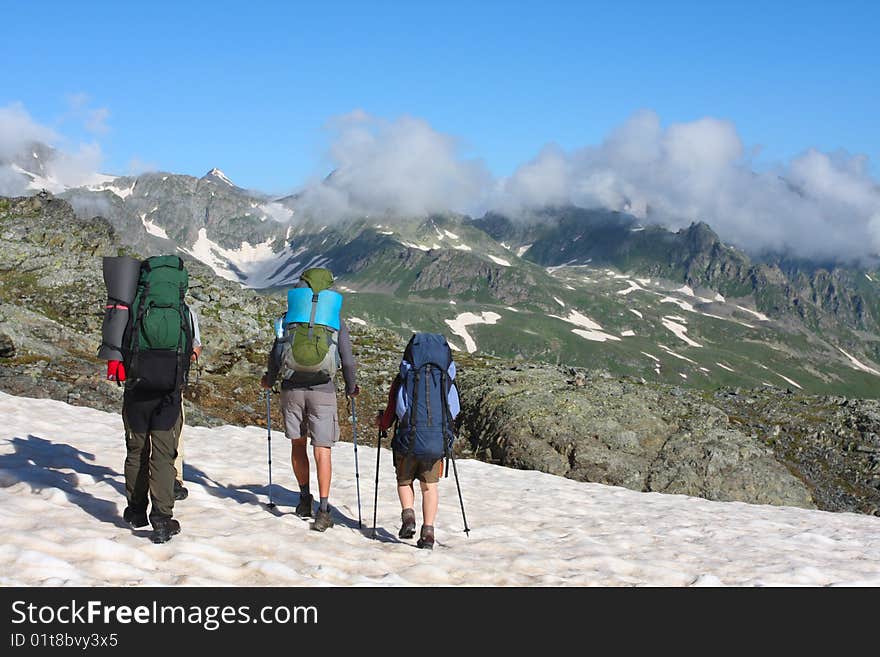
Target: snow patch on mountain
679,331
593,332
676,354
61,518
152,228
37,182
760,316
595,336
578,319
216,173
499,261
276,211
254,265
461,322
794,383
684,305
633,286
121,192
858,364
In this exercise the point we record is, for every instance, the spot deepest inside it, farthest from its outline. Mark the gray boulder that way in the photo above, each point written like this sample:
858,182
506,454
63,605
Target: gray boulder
586,427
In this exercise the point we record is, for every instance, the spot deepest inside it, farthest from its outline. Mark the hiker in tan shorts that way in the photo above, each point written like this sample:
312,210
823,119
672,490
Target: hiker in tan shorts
309,408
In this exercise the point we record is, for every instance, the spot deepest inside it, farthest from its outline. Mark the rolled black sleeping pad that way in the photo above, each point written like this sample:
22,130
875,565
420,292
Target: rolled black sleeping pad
121,275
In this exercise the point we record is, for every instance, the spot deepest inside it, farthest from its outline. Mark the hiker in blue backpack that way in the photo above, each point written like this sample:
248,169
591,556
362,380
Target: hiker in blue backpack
424,402
311,343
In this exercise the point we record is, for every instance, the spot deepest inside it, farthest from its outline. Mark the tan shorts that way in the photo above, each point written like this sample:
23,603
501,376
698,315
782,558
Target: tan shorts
408,468
310,413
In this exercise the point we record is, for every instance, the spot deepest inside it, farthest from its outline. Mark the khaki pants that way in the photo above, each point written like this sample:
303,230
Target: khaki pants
310,413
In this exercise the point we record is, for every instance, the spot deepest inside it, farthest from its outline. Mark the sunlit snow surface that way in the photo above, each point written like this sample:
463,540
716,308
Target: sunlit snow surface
61,500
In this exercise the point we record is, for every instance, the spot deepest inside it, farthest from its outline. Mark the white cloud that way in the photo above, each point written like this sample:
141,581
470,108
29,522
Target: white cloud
94,119
137,166
394,167
63,166
18,130
818,205
76,168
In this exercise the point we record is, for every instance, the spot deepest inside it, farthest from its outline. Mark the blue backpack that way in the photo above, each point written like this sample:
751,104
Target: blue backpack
427,399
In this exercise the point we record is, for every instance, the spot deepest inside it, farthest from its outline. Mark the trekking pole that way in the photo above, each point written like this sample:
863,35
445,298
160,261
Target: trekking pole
269,436
382,434
357,475
460,500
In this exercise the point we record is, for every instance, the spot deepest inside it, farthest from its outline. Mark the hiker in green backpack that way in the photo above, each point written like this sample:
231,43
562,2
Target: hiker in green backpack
156,349
311,343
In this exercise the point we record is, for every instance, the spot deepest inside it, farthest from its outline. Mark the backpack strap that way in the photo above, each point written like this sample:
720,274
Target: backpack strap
428,392
135,343
312,316
412,413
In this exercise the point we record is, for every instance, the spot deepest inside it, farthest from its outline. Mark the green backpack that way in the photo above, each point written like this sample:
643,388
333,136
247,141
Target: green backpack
310,330
159,340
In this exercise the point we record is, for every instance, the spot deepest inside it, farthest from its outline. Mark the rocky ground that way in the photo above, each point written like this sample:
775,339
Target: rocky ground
760,446
764,445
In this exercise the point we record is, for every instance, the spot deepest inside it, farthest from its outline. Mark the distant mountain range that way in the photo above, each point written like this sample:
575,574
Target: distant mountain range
586,287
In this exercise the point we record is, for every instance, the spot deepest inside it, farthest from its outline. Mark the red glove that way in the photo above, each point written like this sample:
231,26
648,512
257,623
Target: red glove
115,370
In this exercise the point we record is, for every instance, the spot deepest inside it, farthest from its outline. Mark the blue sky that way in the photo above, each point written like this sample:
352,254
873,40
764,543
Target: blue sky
251,87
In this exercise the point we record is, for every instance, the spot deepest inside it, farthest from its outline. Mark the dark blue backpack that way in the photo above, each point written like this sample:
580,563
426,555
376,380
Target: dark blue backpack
427,399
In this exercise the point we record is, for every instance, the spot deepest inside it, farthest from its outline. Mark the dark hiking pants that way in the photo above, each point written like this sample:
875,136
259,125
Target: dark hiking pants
152,429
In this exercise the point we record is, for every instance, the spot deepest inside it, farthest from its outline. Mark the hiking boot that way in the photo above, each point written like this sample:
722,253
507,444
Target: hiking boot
135,518
322,520
180,493
426,540
304,508
164,529
408,524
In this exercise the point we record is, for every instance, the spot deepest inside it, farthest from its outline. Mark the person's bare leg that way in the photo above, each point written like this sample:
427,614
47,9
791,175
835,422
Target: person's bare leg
430,501
299,458
407,513
407,496
324,466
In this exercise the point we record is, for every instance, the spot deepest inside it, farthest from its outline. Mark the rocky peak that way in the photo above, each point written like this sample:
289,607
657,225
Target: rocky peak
216,175
700,237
